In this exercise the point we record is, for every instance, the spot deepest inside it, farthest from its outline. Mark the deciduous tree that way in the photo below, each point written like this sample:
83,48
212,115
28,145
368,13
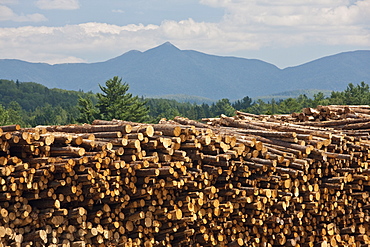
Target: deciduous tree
4,116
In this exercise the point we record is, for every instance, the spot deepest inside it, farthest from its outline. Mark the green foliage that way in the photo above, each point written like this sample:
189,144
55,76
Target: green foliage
259,107
31,104
162,108
116,103
223,106
320,99
242,104
289,105
16,113
353,95
49,115
4,116
30,95
26,101
87,109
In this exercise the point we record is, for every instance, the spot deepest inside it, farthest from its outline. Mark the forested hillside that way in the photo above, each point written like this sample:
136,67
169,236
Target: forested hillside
31,104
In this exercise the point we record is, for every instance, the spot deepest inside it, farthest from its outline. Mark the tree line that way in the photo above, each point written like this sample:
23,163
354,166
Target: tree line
30,104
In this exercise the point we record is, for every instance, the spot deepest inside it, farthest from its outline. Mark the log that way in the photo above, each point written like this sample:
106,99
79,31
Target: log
9,128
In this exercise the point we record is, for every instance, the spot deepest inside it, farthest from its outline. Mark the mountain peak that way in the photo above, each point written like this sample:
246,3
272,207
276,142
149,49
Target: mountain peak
167,46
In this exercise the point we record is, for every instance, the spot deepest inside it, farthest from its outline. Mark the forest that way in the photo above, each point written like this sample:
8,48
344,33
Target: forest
30,104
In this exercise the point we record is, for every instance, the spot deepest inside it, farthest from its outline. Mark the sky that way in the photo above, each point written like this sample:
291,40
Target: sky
282,32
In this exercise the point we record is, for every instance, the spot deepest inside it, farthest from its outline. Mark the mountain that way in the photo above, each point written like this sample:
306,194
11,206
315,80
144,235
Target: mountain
167,70
331,73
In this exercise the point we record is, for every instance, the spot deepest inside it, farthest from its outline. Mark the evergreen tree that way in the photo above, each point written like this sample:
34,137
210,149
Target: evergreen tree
222,106
116,103
88,112
320,99
273,107
289,105
259,107
356,95
162,108
243,103
304,101
206,109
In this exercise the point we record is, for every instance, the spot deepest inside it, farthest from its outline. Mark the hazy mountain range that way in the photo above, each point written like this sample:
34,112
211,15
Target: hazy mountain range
167,70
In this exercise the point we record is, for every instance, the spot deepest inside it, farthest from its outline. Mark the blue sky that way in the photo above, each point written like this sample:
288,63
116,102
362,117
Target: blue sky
285,32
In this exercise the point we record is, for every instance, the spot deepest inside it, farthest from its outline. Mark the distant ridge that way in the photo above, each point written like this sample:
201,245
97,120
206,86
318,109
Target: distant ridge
183,98
293,94
167,70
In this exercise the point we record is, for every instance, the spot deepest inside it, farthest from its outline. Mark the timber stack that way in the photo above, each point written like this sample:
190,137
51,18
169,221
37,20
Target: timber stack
246,180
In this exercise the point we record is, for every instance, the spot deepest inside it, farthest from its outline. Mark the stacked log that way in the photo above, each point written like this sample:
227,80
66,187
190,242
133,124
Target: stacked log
332,112
236,181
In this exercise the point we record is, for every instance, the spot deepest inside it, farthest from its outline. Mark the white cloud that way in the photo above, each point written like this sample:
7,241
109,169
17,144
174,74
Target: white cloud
7,14
293,13
291,22
73,43
58,4
246,25
186,29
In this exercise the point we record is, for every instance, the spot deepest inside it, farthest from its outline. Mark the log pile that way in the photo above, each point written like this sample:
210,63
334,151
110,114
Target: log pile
235,181
331,112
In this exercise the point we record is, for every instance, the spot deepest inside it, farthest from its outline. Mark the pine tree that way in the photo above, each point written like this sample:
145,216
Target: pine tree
116,103
88,112
242,104
222,106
